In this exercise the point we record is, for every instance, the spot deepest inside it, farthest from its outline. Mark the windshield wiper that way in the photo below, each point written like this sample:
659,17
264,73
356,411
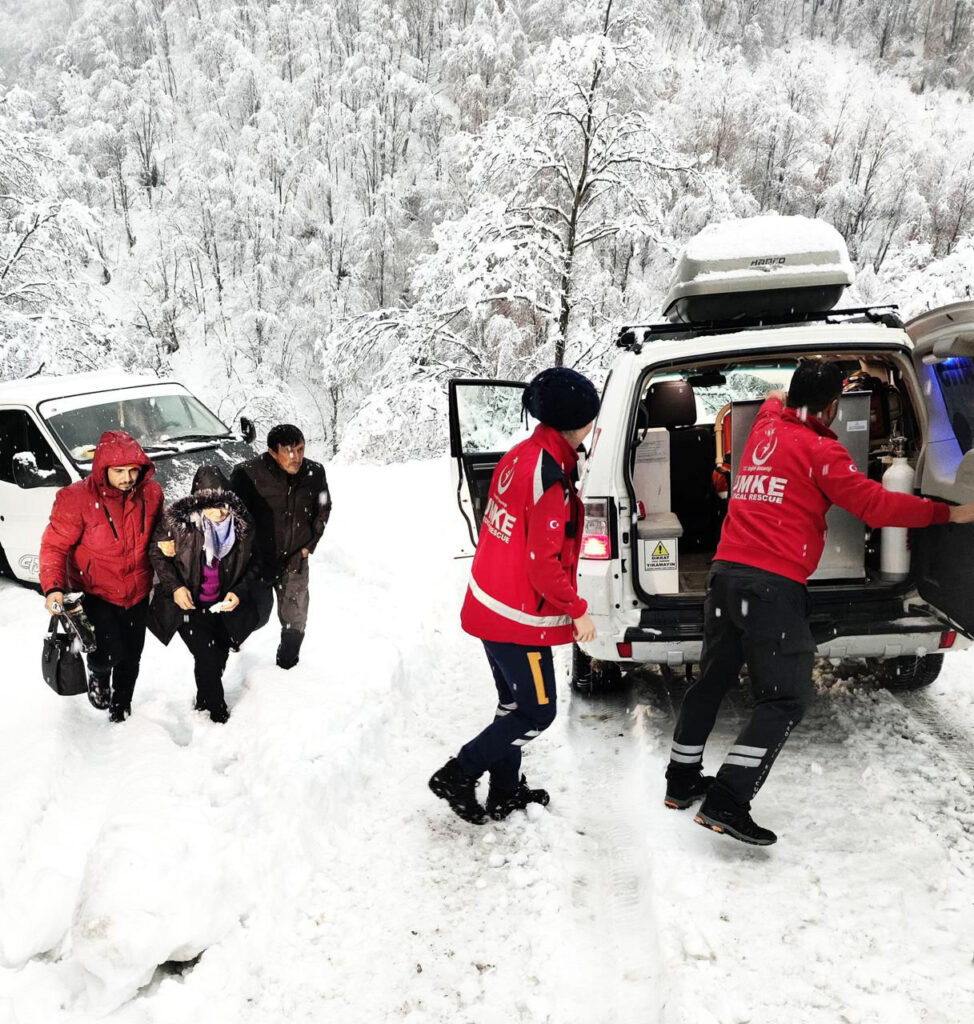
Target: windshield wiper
197,437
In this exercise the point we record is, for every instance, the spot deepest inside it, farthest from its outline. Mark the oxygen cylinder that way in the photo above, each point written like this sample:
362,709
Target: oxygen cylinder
894,549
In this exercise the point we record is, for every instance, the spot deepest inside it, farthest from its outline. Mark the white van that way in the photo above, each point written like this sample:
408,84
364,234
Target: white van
746,304
49,427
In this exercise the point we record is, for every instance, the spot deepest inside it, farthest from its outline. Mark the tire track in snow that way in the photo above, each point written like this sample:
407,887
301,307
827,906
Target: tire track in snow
954,745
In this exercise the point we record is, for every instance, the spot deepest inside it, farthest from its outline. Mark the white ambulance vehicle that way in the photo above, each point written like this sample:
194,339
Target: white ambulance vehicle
748,300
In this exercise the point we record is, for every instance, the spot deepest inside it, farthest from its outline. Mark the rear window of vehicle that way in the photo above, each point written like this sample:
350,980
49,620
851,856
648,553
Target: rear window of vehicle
956,377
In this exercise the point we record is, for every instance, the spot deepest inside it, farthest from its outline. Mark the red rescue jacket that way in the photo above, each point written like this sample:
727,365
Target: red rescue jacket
98,537
522,582
791,472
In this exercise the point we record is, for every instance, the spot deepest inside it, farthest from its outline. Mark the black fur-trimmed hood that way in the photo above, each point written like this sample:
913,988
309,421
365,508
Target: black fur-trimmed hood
186,512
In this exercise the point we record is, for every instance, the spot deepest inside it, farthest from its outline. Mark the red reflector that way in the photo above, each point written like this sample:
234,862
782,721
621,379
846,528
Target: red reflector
947,638
595,545
625,650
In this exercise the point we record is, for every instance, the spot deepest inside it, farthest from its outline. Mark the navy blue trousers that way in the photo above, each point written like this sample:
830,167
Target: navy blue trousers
526,706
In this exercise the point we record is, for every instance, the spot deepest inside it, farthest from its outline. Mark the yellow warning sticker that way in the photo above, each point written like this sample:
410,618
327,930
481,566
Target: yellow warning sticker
660,555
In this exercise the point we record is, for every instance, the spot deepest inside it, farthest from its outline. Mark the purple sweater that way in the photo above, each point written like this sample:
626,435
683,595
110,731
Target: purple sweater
210,583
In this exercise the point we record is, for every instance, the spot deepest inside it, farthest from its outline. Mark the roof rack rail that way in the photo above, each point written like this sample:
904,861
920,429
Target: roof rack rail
633,336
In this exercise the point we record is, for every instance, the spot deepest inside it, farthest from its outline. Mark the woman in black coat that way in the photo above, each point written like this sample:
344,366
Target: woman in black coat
208,587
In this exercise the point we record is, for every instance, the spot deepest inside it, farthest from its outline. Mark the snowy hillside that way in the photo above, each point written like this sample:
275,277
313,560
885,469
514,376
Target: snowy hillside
298,849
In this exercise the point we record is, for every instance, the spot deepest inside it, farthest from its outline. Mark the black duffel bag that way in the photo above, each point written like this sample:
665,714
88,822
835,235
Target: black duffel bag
62,666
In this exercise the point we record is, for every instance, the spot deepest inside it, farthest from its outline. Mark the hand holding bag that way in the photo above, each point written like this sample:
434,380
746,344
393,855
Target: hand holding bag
63,667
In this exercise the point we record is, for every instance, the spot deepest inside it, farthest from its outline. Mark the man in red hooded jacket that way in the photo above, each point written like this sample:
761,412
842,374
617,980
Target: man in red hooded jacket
98,542
522,598
792,469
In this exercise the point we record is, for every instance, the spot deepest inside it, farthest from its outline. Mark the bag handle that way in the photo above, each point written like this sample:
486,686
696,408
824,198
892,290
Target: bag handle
52,629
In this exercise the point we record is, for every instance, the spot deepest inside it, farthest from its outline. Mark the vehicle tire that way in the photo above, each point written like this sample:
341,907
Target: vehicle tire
591,677
909,673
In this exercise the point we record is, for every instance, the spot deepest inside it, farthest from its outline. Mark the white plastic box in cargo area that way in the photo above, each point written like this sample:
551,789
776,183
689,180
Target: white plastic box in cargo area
658,534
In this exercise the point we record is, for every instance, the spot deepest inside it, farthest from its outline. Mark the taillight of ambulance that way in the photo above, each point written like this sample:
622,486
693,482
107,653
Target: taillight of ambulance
596,543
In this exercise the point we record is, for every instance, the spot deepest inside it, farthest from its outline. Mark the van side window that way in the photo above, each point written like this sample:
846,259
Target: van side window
26,459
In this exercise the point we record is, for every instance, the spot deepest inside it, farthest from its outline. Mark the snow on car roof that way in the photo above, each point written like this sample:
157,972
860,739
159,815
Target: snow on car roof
758,236
33,390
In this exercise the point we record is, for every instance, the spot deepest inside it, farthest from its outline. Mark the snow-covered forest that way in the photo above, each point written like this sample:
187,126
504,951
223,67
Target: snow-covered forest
322,210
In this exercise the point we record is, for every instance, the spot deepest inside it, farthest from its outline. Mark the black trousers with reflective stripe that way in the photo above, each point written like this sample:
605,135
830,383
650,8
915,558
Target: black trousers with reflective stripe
526,706
760,619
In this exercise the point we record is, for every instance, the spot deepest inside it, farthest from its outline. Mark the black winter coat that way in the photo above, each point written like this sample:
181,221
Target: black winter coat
239,569
289,512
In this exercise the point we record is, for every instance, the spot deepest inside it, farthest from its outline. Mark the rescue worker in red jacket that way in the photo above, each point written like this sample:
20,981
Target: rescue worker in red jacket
792,470
522,600
98,542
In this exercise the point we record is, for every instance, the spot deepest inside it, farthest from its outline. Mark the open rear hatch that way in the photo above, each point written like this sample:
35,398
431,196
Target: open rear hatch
943,556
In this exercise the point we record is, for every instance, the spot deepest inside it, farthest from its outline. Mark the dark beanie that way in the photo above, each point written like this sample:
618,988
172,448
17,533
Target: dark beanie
210,478
561,398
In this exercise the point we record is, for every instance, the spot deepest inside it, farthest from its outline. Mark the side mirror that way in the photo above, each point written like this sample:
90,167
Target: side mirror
247,429
26,473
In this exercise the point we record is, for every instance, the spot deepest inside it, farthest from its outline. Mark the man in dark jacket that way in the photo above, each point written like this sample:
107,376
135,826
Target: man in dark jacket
98,542
287,495
793,468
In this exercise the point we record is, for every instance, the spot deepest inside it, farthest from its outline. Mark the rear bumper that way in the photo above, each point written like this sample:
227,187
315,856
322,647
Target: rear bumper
863,630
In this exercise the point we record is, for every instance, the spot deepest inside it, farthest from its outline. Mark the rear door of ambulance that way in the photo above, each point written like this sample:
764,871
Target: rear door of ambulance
943,556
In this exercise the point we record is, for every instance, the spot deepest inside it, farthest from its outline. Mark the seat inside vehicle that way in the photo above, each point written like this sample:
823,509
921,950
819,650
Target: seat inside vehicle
671,404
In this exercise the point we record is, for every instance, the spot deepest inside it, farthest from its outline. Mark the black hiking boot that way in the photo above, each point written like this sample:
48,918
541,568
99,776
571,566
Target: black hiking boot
220,713
685,787
289,648
119,712
199,704
500,802
99,690
459,791
735,822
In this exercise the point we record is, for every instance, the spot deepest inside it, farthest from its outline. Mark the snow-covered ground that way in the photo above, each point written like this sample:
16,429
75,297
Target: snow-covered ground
300,851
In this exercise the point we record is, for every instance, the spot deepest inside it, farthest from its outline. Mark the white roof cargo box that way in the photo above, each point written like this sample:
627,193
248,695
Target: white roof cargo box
759,267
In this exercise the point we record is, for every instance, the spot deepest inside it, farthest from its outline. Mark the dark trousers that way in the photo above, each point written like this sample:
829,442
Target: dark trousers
120,635
761,619
526,706
292,596
206,637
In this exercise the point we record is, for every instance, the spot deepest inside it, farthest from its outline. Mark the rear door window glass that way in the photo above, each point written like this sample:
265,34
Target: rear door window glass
956,379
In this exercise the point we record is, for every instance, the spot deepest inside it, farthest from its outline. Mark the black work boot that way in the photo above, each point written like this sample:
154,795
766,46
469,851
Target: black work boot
100,689
119,711
459,791
685,786
219,712
289,648
720,813
200,703
500,802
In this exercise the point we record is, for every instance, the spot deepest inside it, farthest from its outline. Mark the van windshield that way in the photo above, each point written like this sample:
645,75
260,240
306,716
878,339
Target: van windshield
160,423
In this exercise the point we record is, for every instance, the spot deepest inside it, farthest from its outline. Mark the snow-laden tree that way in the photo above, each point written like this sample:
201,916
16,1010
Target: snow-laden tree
47,318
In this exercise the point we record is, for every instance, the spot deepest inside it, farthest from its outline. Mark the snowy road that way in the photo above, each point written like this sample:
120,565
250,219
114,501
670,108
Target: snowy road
298,849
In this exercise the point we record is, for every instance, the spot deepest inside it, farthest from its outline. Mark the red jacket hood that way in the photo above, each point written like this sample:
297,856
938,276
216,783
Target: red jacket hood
118,448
